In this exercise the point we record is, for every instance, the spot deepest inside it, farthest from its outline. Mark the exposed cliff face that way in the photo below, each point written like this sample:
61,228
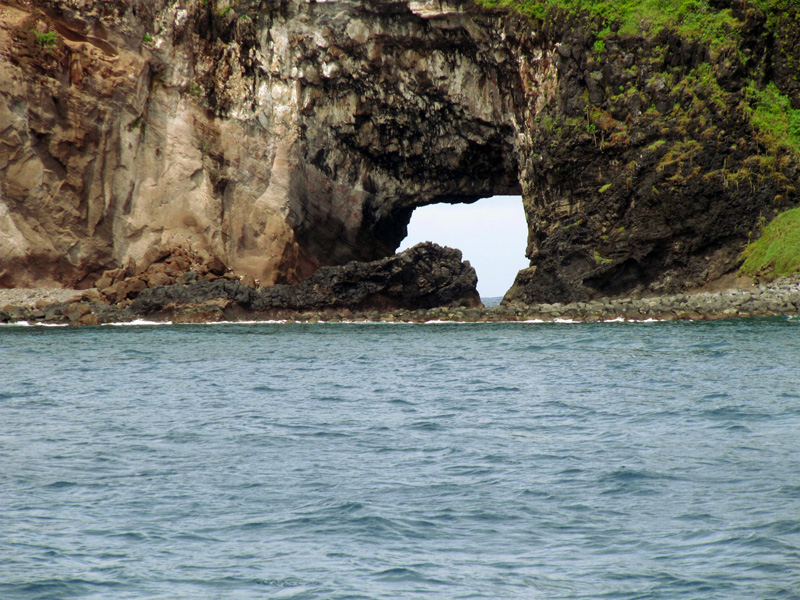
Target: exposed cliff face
283,136
279,136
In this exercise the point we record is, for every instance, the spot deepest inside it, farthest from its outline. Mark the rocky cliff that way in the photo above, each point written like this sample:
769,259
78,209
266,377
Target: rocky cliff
281,136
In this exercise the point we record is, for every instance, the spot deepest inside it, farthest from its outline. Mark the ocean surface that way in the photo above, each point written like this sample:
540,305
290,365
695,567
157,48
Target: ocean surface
396,461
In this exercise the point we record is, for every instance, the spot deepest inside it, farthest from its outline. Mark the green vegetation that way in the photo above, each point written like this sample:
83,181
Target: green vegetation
690,18
775,117
46,40
777,252
147,38
701,104
600,259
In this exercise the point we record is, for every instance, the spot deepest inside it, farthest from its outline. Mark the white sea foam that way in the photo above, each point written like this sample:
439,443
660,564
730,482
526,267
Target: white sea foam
29,324
136,322
441,322
271,322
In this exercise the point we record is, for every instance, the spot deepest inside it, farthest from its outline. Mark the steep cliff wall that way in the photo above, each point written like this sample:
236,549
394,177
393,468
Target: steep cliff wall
281,136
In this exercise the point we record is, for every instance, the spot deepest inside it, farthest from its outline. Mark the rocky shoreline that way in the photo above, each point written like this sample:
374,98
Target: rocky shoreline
239,303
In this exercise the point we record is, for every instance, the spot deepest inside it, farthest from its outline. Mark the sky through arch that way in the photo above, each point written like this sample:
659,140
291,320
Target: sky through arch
491,233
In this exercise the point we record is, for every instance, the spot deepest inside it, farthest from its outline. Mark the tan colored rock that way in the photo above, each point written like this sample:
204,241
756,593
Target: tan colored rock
159,278
75,311
133,286
89,319
180,263
114,293
107,279
172,270
216,266
92,295
305,135
151,256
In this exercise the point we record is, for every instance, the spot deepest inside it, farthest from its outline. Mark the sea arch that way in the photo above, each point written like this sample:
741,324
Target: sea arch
491,234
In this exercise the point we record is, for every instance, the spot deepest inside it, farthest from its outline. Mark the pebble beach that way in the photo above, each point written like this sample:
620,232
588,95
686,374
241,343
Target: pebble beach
79,307
30,296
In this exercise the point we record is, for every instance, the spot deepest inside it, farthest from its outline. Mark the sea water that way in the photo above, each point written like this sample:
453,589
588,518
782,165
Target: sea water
334,461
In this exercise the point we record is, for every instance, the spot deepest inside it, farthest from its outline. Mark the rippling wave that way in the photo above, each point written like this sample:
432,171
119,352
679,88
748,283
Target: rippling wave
333,461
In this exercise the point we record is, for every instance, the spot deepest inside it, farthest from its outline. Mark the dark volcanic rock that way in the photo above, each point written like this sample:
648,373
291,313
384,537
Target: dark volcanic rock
304,134
424,276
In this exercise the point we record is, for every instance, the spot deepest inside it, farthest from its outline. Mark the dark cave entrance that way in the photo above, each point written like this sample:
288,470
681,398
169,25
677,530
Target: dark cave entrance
491,233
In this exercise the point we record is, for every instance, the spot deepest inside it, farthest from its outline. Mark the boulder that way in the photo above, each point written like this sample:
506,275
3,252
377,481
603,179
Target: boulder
216,266
89,319
158,278
425,276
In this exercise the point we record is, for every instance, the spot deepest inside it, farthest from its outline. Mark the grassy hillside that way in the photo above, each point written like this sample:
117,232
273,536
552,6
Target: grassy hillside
777,252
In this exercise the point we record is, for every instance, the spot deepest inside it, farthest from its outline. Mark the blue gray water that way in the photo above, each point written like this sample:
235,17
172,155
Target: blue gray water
365,461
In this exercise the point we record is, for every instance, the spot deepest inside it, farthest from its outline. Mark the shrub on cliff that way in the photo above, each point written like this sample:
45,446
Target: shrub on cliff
46,40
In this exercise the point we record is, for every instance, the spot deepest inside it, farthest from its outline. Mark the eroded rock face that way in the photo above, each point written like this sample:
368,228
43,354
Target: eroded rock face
281,136
278,136
425,276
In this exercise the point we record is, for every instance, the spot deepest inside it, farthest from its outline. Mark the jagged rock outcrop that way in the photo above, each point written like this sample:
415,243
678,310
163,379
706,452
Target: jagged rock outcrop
425,276
160,266
282,136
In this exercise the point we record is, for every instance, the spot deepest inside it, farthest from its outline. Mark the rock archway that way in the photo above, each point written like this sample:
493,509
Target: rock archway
283,136
491,234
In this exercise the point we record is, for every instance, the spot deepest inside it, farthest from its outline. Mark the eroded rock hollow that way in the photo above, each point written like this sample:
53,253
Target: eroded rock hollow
282,136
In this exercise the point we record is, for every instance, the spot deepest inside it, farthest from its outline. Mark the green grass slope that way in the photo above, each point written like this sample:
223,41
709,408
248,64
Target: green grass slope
777,252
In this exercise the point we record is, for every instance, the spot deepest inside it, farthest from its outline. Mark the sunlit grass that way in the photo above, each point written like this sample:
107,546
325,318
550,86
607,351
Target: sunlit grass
774,115
692,18
777,252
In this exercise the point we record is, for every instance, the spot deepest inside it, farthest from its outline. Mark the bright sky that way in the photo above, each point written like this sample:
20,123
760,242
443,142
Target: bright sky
491,234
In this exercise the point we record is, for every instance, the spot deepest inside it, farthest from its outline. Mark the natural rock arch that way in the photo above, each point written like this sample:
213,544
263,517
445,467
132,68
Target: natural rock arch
491,233
283,136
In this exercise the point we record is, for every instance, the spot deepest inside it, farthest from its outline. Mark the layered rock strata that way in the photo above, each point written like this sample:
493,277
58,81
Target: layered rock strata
281,136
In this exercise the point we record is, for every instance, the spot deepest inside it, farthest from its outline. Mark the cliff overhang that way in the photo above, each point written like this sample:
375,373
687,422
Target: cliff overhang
280,137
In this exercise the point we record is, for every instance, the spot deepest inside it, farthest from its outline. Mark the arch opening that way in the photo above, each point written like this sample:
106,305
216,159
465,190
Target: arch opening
491,233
